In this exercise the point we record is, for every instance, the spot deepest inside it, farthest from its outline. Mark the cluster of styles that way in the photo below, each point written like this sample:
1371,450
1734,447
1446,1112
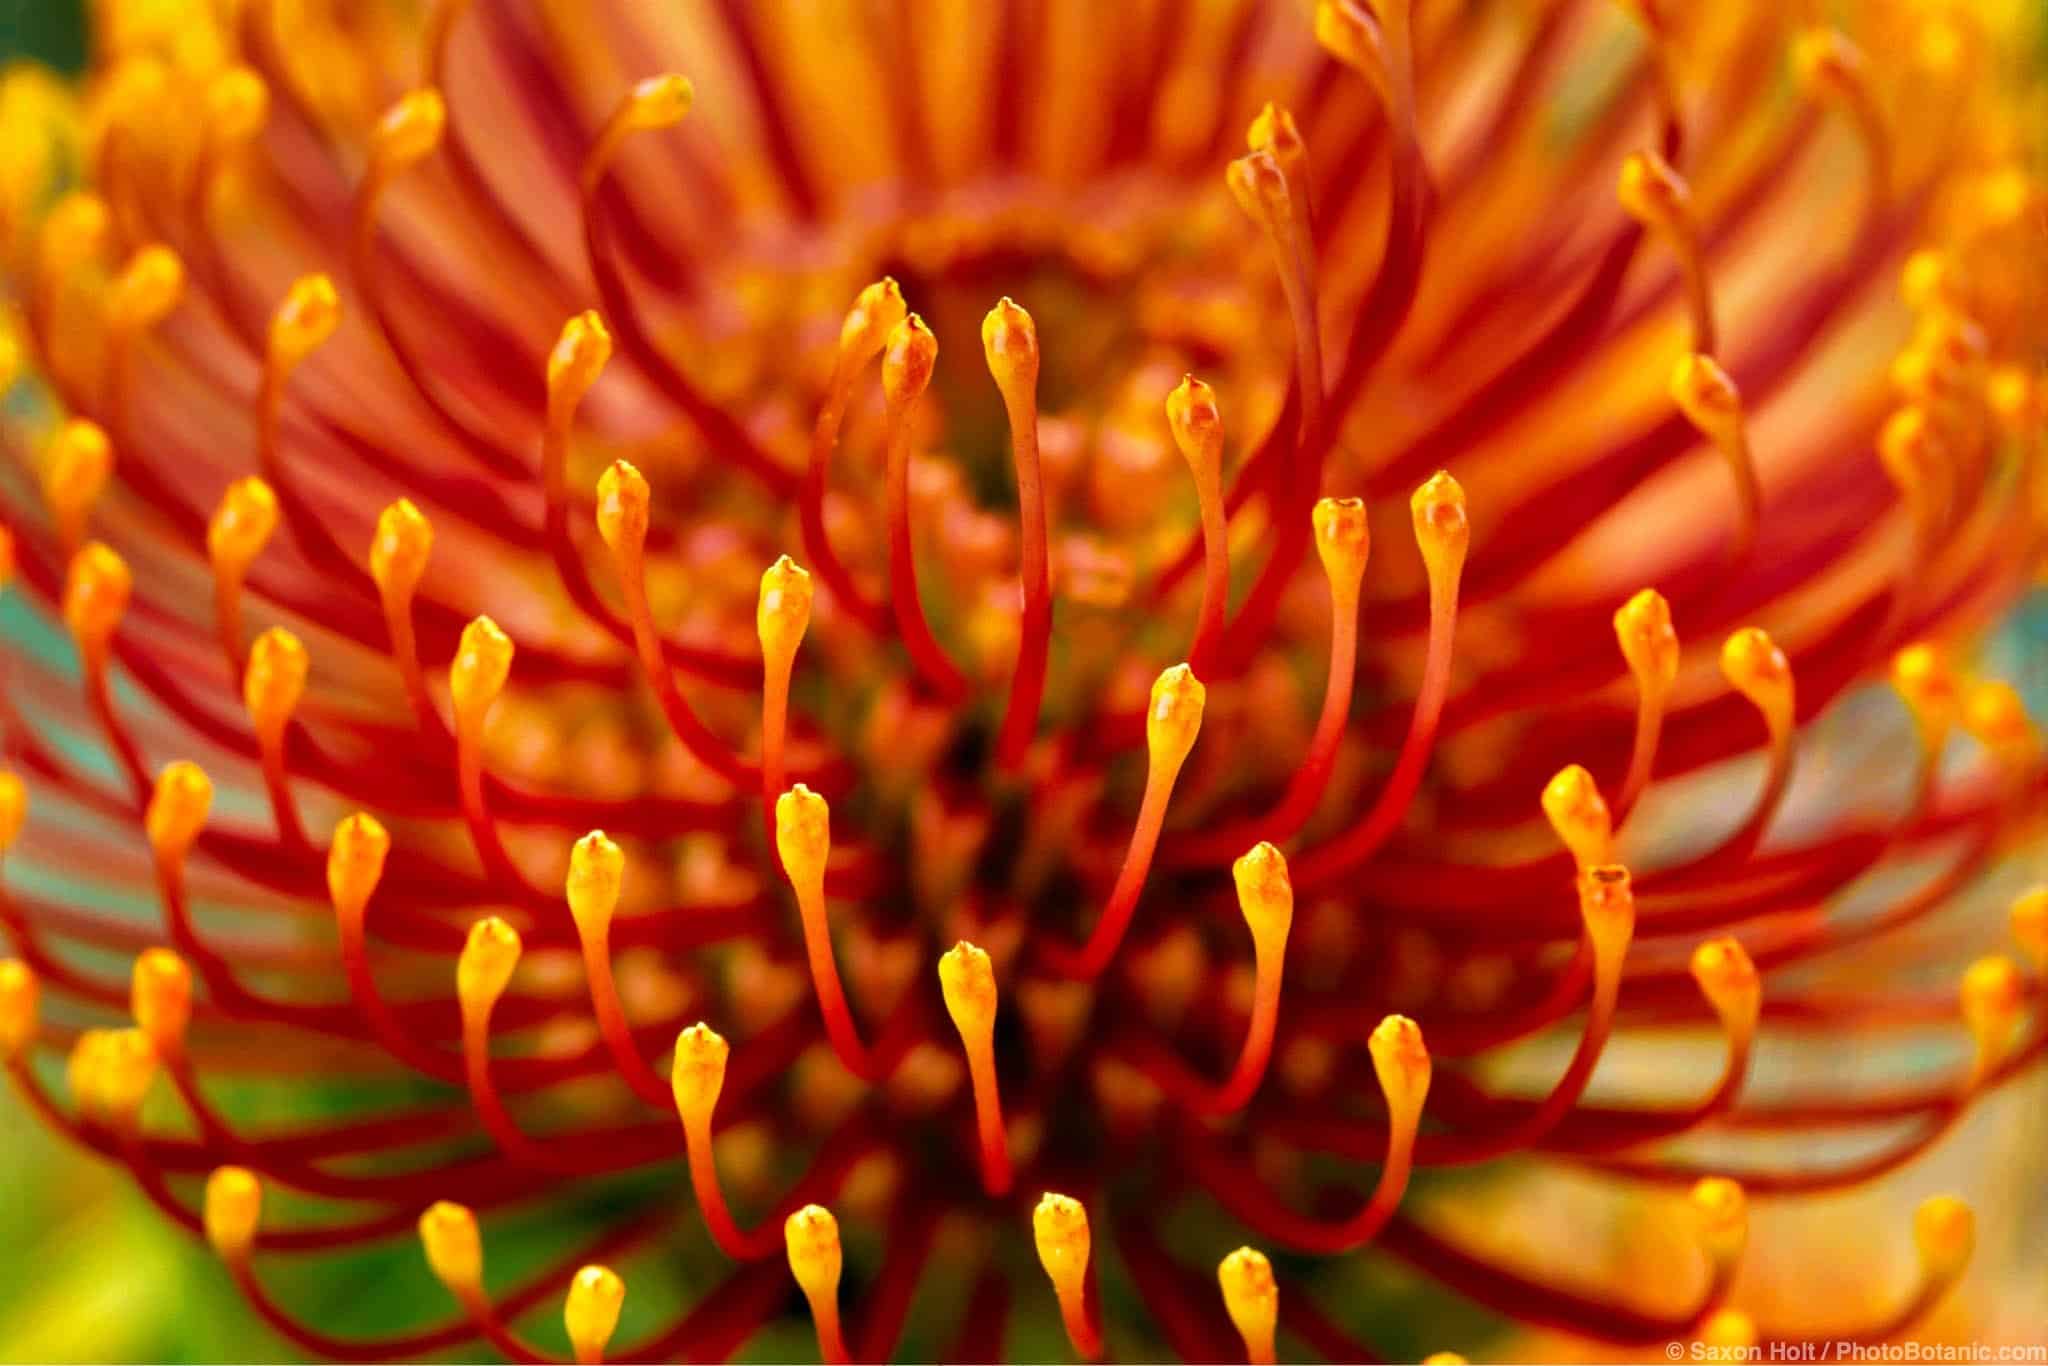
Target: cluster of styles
294,407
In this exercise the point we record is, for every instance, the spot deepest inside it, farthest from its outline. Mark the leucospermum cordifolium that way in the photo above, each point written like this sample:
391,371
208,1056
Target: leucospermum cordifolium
946,772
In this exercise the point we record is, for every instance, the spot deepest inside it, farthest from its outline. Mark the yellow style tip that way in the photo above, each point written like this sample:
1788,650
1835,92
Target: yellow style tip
1174,717
178,807
160,997
489,956
355,862
399,549
1252,1299
597,870
591,1311
454,1247
20,1008
234,1205
803,835
482,663
1265,894
968,982
697,1073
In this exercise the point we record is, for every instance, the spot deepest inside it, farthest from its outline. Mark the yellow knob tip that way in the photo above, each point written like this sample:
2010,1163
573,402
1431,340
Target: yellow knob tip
1642,626
178,807
305,319
1992,994
876,313
160,997
483,661
908,360
79,462
111,1071
1728,979
242,524
1755,667
75,230
1197,425
579,356
1265,894
1929,279
597,869
1442,529
623,500
237,104
399,550
96,591
1922,677
1945,1232
1729,1328
409,130
661,101
1579,814
1343,539
811,1236
13,808
274,679
20,1007
1009,341
1252,1299
1174,717
1995,715
2029,917
355,862
803,834
1273,130
1400,1059
968,982
148,289
783,613
591,1311
697,1073
454,1247
1059,1225
1721,1208
489,956
234,1205
1349,33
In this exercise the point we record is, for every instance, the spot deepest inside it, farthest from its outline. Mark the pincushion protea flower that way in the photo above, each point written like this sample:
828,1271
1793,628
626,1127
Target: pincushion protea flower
415,683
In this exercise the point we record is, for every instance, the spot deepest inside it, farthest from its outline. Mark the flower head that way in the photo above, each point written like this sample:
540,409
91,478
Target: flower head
542,528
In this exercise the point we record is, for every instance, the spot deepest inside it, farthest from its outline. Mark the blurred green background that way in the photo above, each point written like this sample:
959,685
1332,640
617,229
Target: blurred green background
51,31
